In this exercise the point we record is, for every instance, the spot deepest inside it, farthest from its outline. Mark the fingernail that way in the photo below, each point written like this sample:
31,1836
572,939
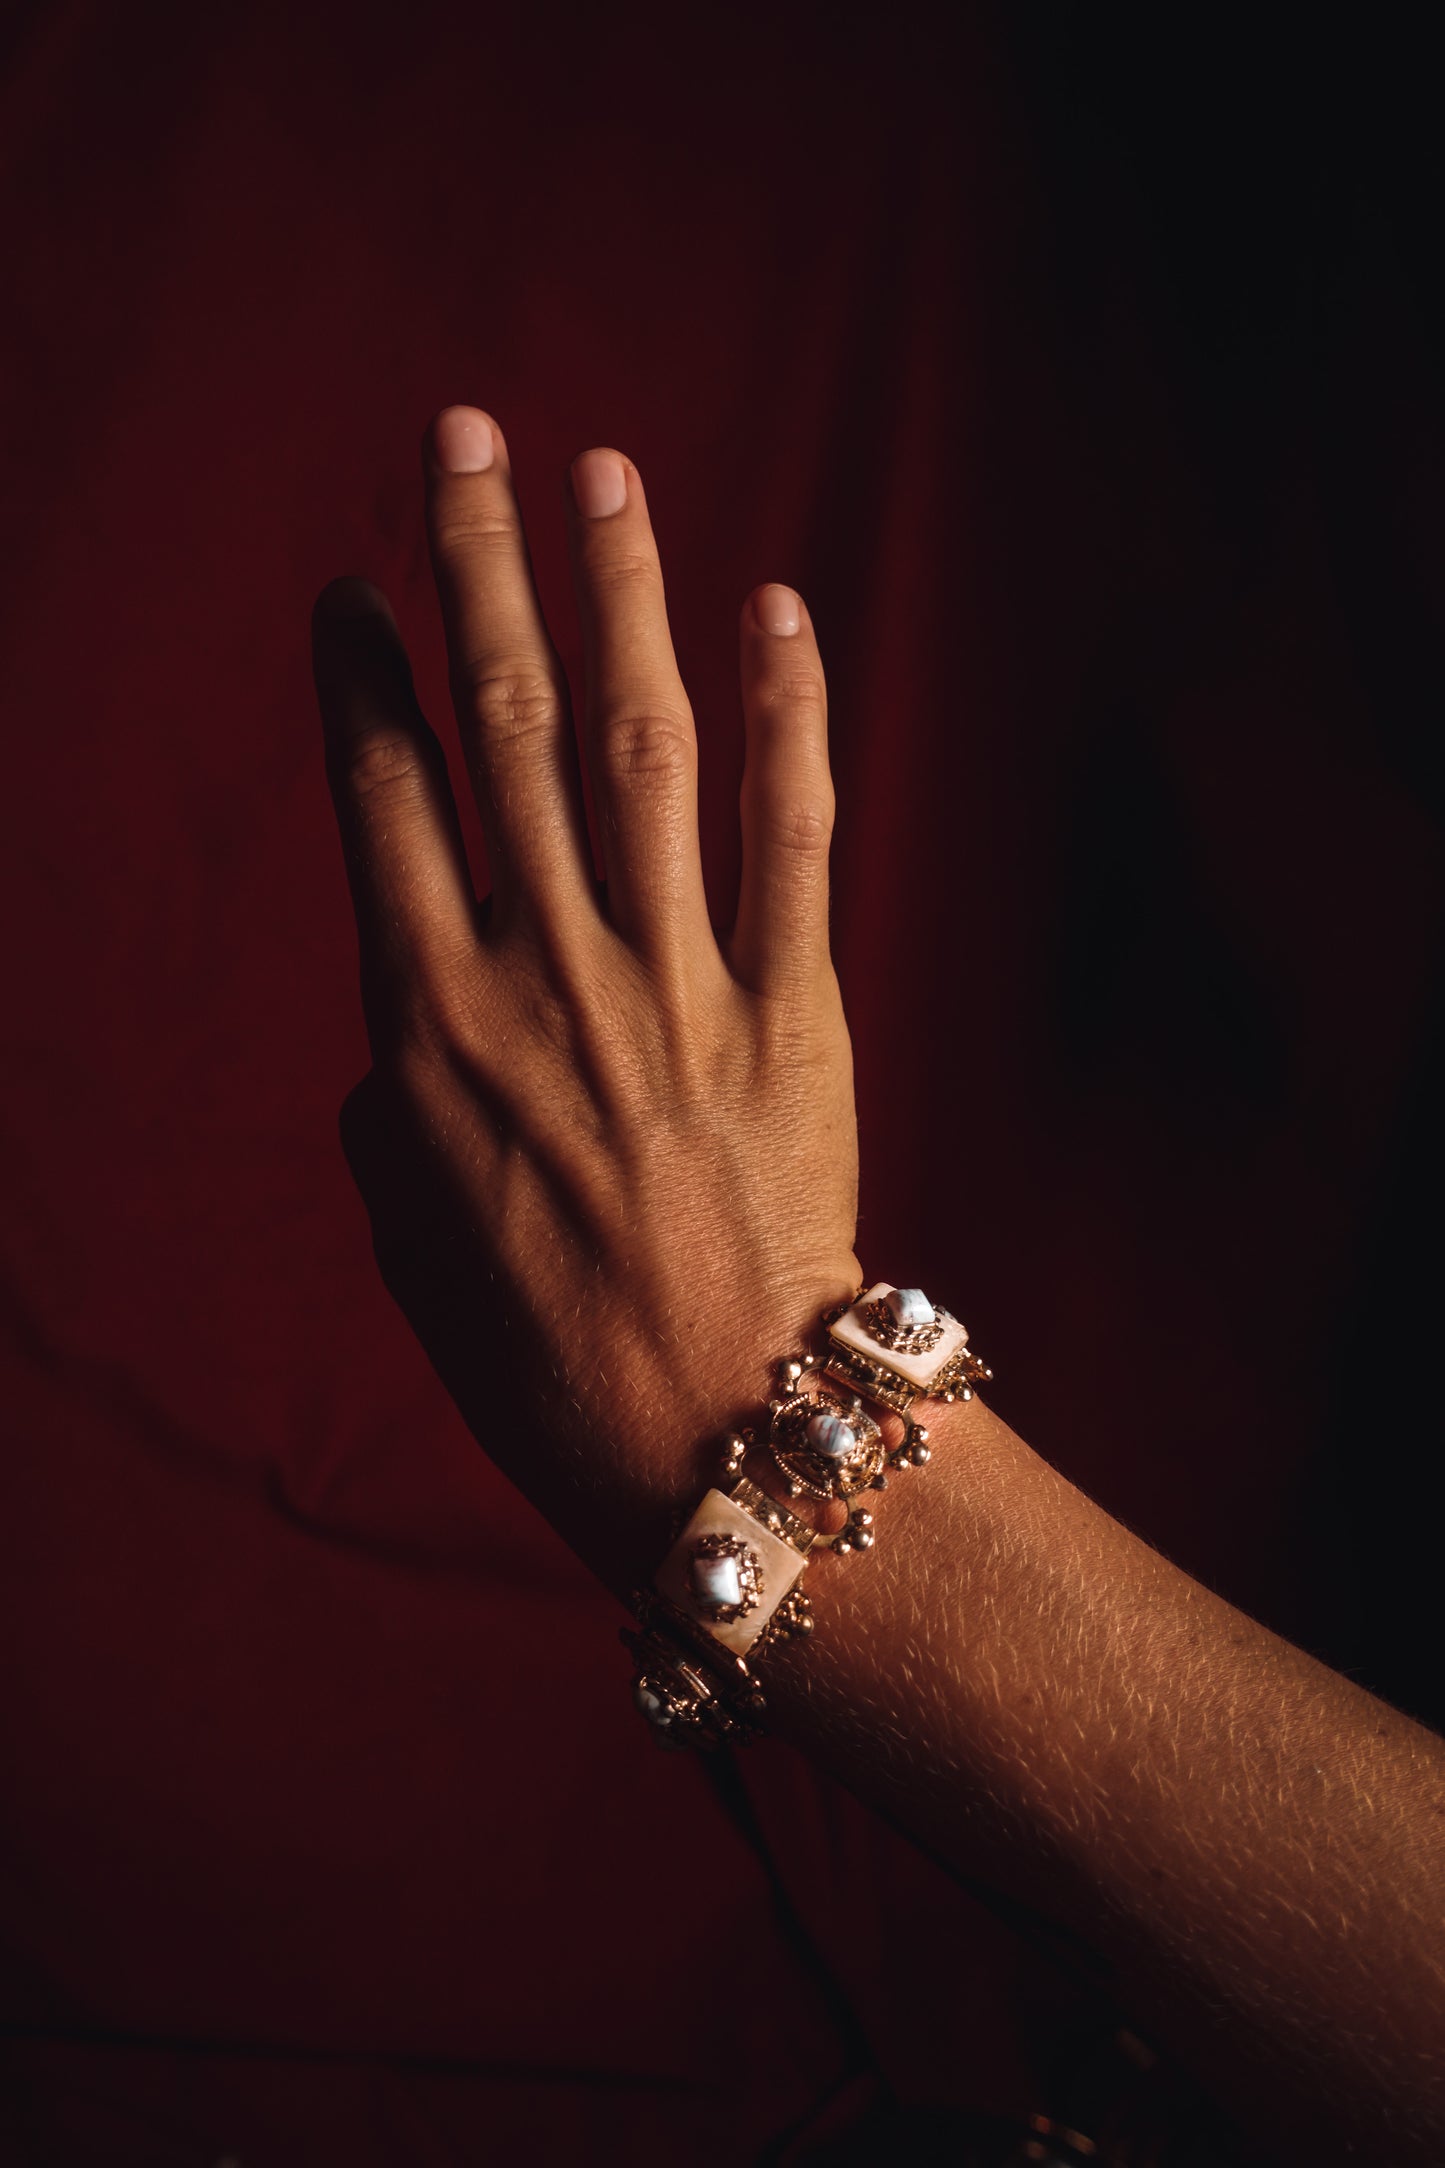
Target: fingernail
777,609
599,484
462,440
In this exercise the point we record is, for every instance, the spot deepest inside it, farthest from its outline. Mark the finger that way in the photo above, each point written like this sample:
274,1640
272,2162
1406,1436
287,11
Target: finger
402,842
508,684
780,935
638,729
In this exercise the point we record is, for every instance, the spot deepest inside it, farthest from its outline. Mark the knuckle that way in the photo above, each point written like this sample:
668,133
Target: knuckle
510,704
792,689
435,1044
803,827
623,571
803,1034
548,1016
477,525
652,744
383,763
448,1021
440,1017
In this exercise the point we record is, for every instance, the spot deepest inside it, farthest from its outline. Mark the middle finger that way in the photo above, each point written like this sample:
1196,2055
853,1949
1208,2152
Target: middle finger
508,684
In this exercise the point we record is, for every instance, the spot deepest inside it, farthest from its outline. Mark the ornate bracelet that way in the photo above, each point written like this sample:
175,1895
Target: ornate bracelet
732,1584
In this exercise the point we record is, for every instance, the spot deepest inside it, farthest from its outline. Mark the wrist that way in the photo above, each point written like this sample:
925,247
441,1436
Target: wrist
621,1502
845,1420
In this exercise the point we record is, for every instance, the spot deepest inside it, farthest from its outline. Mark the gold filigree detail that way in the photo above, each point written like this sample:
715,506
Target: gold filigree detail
804,1467
750,1578
903,1339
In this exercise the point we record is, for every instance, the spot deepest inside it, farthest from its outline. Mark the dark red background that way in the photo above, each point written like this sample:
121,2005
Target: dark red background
1088,384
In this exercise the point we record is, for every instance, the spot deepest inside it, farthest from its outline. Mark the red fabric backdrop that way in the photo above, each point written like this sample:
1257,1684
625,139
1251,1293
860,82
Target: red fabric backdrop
328,1832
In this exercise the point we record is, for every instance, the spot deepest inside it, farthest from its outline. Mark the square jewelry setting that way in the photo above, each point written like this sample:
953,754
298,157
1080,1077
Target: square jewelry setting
918,1370
779,1567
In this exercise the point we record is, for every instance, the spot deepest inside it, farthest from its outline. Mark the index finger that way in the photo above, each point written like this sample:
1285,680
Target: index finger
411,887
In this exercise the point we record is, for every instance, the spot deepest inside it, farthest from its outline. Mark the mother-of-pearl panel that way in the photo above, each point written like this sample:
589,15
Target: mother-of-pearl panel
778,1562
918,1370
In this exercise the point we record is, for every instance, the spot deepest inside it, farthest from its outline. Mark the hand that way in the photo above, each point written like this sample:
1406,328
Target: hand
609,1155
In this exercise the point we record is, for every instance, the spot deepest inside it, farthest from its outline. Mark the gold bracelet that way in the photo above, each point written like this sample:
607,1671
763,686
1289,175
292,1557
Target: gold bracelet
732,1585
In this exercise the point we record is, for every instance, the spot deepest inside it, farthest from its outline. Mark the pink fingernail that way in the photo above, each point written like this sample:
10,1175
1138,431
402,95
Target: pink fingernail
599,484
462,440
777,609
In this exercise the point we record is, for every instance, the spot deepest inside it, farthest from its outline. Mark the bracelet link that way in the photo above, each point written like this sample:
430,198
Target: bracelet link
733,1580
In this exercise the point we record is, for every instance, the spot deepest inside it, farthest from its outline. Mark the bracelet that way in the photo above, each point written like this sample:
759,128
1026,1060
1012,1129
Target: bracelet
731,1586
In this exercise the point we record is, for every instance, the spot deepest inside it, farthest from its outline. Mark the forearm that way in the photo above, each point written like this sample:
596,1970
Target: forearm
1251,1841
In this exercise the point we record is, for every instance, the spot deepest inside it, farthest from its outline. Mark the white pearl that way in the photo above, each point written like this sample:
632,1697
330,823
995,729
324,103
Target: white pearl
909,1306
715,1582
829,1434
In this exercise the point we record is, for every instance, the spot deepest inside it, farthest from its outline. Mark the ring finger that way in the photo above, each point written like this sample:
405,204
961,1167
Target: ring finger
639,733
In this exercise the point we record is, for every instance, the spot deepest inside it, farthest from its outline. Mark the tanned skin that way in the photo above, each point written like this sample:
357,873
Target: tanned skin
588,1108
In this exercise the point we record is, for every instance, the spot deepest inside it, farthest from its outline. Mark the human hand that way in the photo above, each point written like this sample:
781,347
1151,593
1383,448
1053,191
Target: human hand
609,1154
